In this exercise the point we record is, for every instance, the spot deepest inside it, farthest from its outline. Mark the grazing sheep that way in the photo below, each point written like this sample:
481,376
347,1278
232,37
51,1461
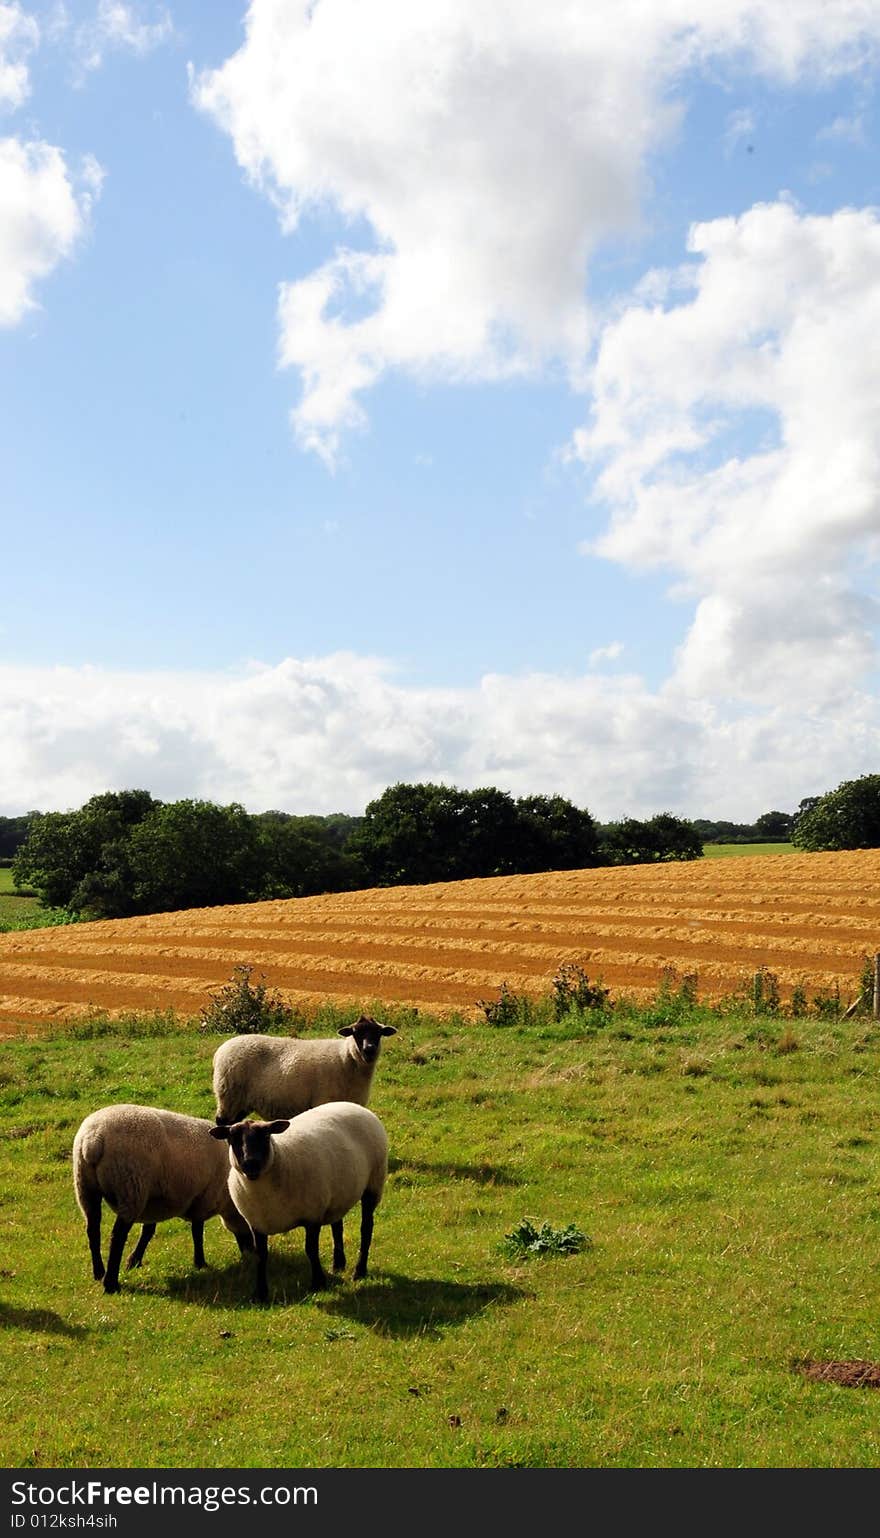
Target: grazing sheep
305,1172
149,1165
282,1076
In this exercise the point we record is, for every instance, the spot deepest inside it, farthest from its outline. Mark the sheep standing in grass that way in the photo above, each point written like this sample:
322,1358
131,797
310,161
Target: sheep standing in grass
282,1076
149,1165
305,1172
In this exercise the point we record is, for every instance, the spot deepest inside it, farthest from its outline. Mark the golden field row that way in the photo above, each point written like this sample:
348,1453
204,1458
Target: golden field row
809,918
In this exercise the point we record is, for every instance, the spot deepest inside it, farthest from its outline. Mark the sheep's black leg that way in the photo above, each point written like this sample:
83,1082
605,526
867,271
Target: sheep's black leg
313,1234
121,1231
368,1207
261,1244
93,1230
140,1248
245,1242
198,1229
338,1246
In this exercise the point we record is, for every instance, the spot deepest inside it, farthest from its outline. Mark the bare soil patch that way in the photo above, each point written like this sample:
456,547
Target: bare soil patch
855,1374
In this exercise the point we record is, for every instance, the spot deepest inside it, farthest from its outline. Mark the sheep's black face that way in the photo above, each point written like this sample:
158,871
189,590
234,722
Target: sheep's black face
368,1035
250,1144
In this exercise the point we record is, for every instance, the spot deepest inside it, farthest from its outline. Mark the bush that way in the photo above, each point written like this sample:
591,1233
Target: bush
828,1006
799,1005
509,1008
676,998
573,991
243,1008
845,818
765,992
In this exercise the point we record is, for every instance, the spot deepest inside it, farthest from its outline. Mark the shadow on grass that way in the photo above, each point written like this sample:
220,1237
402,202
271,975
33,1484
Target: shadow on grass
42,1319
401,1305
388,1303
481,1174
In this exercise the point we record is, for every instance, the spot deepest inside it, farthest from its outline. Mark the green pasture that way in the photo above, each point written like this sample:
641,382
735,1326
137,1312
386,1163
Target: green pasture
14,905
723,1166
725,851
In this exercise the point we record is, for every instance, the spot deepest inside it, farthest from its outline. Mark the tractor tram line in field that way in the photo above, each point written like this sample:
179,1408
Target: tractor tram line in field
810,919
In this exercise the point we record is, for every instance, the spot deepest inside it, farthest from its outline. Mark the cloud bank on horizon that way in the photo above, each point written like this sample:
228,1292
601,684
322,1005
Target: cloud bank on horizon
479,169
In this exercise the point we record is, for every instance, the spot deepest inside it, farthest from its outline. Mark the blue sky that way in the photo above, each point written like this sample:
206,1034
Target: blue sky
479,394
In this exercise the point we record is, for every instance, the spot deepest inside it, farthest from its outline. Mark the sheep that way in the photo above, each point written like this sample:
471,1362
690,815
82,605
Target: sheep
282,1076
149,1165
304,1172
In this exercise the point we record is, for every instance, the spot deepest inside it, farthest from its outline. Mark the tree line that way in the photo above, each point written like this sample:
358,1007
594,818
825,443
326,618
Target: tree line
125,853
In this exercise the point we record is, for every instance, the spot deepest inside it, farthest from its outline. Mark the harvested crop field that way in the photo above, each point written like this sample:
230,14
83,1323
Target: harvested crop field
808,918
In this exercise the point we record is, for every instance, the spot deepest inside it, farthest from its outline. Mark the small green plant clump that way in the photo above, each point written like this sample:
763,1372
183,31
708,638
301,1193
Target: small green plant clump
828,1004
527,1239
510,1008
765,992
676,999
243,1008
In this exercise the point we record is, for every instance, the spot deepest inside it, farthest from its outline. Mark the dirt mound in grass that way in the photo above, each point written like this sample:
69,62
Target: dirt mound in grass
856,1374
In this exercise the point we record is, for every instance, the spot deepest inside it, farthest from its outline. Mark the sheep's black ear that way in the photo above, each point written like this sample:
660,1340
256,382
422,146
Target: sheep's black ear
346,1030
220,1132
389,1030
276,1126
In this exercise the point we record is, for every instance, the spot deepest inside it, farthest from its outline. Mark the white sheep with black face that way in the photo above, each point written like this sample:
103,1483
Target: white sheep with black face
149,1165
275,1076
305,1172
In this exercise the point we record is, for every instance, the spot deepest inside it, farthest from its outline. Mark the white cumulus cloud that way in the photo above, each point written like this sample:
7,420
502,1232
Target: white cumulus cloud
330,733
734,431
485,149
19,34
117,25
44,212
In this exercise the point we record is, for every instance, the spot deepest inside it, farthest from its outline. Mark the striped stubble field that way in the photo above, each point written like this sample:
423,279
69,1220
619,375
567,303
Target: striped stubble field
808,918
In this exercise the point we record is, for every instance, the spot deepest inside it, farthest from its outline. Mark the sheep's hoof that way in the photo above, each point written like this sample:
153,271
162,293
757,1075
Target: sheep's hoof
98,1273
261,1298
133,1260
110,1285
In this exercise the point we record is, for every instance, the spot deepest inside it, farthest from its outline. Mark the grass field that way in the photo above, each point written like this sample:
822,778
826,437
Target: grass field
724,1168
728,851
14,905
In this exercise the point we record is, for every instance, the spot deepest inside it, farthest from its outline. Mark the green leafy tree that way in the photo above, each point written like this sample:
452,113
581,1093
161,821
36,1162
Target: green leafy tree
301,856
674,838
723,832
775,825
13,832
426,832
194,854
413,833
662,837
554,834
78,860
488,832
845,818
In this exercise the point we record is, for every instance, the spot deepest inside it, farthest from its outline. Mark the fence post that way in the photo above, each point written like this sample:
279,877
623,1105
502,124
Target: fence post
877,986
